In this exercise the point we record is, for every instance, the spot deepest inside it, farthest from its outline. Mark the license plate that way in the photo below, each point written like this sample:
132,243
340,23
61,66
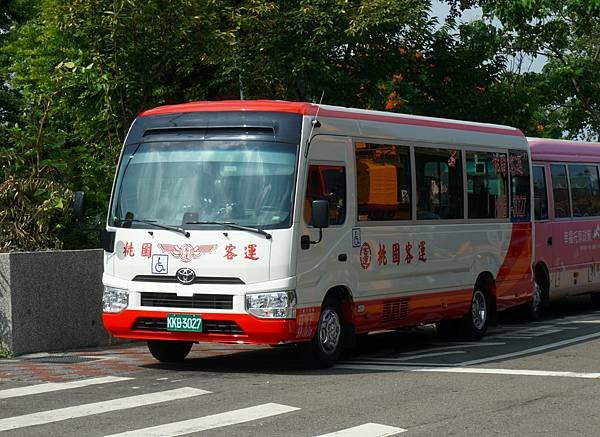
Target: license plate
184,322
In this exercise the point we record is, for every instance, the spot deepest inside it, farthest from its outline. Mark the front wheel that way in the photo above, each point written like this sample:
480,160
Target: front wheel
326,346
167,351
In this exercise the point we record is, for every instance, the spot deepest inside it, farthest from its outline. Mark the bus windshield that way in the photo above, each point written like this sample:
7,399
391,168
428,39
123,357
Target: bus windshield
180,184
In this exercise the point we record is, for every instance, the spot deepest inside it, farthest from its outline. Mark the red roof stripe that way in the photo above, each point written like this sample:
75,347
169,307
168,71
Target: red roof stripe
311,109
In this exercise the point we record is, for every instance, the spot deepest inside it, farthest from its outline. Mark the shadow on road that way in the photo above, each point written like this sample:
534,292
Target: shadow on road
287,360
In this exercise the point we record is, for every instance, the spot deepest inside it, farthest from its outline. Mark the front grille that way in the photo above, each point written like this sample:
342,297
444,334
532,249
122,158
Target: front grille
197,280
394,310
208,326
201,301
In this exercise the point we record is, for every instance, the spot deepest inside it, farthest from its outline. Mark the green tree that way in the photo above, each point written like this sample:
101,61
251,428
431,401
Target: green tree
566,33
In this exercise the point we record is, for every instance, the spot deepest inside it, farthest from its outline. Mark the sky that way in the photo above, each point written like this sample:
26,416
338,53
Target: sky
440,10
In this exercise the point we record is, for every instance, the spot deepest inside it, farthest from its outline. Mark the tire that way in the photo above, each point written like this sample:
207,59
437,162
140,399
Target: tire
167,351
534,308
326,346
595,298
475,322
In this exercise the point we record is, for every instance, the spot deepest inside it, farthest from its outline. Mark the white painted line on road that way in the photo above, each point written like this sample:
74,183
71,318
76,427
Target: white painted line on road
210,422
480,370
531,350
471,370
433,354
465,344
368,429
60,414
593,322
56,386
391,363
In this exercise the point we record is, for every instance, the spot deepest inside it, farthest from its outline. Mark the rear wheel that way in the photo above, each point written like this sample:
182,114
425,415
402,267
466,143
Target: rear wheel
325,347
595,298
533,309
475,322
169,351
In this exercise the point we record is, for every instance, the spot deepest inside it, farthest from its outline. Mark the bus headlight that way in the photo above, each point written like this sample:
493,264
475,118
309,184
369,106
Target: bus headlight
273,305
114,300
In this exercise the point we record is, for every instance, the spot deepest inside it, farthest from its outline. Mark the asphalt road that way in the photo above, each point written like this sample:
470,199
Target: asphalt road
521,379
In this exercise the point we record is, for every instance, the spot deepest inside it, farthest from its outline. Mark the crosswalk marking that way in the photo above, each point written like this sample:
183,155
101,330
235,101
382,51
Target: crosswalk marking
210,422
368,429
60,414
56,386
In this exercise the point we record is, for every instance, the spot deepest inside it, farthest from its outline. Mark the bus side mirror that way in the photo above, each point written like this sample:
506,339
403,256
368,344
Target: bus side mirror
319,219
108,240
79,205
320,214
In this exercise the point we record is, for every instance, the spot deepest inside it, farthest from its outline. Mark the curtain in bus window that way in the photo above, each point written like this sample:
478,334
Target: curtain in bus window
487,175
560,189
326,182
518,165
585,191
540,198
439,184
383,181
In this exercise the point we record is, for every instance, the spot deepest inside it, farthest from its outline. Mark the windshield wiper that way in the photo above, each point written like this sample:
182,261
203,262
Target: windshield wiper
153,223
233,226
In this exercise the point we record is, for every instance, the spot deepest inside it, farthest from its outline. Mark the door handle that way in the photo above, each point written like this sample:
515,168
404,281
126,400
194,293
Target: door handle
549,241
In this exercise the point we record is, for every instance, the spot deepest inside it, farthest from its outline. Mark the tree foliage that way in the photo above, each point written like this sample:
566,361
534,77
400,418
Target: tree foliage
74,74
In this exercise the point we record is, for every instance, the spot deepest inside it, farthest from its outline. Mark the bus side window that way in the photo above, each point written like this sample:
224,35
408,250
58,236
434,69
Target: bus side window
560,188
326,182
540,197
487,175
585,191
518,165
383,181
439,184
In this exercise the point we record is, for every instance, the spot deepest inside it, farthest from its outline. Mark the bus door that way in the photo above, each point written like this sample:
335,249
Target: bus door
544,238
326,178
560,212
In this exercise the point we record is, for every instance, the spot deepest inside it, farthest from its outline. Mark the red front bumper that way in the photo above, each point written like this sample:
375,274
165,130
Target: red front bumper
243,328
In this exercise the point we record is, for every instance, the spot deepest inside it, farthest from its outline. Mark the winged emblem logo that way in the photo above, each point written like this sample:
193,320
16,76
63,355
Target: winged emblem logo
187,252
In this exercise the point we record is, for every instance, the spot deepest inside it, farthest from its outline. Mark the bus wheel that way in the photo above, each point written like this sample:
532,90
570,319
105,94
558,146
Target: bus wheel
595,298
325,347
475,322
167,351
533,309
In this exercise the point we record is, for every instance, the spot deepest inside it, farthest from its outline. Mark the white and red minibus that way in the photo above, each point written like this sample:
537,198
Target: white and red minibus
567,217
272,222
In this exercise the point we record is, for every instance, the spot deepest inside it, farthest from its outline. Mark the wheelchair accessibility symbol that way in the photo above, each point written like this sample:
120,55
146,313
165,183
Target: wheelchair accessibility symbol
160,264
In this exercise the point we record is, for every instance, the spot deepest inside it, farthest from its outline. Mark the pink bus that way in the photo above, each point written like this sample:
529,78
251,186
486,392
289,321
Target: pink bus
567,217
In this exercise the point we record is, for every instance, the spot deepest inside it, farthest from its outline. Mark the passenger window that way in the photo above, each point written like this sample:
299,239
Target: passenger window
326,182
518,165
540,198
585,191
560,189
383,181
487,175
439,184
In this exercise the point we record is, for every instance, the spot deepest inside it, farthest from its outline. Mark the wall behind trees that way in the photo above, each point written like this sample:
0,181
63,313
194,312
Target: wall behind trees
74,74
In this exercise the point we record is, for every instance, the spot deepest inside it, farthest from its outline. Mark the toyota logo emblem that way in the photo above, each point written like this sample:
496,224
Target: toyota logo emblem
185,275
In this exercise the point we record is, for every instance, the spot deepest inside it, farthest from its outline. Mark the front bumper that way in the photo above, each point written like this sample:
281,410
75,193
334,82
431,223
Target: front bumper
219,327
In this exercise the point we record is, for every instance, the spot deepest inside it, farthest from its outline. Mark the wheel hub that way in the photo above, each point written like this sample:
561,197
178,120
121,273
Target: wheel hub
330,330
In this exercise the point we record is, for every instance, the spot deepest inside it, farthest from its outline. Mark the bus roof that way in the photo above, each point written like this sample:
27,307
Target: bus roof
544,149
334,112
